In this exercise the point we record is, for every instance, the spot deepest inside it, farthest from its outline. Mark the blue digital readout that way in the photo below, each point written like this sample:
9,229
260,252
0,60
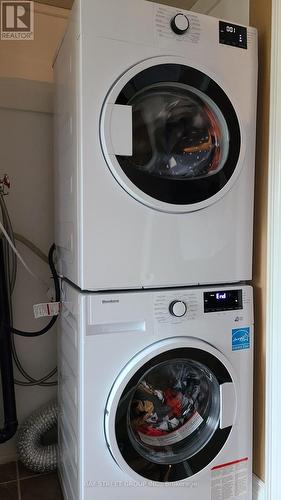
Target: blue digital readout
221,296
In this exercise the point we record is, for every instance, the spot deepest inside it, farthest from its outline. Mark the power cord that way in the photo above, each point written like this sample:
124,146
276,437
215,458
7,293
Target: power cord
57,299
11,268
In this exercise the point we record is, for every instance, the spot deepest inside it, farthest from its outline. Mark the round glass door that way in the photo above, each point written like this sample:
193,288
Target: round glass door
167,423
178,134
186,139
174,411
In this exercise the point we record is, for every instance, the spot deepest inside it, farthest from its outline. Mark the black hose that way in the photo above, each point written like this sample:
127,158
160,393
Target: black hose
10,260
57,299
6,361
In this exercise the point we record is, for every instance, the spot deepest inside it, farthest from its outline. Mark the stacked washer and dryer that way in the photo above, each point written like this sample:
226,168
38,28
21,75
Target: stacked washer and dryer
155,132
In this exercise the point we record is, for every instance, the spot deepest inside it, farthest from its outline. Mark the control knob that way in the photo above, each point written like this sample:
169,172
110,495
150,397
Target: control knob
180,24
178,308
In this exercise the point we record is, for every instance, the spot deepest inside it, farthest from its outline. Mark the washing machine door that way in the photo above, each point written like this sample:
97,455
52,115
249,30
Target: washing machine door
171,136
171,410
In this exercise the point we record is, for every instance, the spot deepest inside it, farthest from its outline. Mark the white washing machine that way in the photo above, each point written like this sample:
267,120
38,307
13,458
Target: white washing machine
155,389
155,127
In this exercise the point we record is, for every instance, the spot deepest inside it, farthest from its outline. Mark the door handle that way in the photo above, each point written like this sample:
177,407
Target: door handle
120,130
227,405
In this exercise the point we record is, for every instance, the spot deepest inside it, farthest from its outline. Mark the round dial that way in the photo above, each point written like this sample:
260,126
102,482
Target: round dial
178,308
180,24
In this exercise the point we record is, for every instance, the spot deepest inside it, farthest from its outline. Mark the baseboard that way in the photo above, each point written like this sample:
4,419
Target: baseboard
258,488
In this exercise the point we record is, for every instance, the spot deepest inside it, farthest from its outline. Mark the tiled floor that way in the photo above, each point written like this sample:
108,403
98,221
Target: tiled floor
18,483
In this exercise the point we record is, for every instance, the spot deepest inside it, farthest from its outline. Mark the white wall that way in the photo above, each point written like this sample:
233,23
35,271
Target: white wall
32,59
26,154
233,10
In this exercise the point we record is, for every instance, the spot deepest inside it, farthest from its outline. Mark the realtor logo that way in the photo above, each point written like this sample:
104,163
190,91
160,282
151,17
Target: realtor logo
17,20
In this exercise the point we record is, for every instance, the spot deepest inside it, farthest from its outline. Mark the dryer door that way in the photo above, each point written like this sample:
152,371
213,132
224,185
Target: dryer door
171,136
171,410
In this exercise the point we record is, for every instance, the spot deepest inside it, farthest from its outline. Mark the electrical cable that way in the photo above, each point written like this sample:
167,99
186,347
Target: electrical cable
31,247
44,380
8,225
11,263
57,299
13,247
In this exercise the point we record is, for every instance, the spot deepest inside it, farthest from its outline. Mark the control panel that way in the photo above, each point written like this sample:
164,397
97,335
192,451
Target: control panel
224,300
234,35
183,306
177,307
180,24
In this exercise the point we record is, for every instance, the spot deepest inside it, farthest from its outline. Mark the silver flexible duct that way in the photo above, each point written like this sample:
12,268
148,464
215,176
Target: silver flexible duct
31,451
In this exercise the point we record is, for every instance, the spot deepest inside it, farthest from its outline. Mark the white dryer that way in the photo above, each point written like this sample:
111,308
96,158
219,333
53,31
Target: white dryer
155,390
156,113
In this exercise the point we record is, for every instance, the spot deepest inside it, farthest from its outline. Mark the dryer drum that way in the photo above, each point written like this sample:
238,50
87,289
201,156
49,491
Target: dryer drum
179,133
174,411
167,423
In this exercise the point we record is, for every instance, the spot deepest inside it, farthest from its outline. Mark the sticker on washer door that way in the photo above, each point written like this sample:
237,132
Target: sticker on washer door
240,339
174,437
230,480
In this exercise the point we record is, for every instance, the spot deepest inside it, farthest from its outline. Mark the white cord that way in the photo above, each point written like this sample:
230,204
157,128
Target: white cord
44,283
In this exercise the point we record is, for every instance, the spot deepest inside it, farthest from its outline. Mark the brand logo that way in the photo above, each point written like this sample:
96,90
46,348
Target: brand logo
17,20
111,301
240,338
238,318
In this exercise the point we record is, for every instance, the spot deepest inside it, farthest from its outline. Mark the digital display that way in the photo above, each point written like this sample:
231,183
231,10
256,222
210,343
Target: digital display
232,34
228,300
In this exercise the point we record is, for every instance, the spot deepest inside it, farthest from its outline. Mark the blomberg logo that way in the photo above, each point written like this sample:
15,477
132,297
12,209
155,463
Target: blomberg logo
110,301
17,20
